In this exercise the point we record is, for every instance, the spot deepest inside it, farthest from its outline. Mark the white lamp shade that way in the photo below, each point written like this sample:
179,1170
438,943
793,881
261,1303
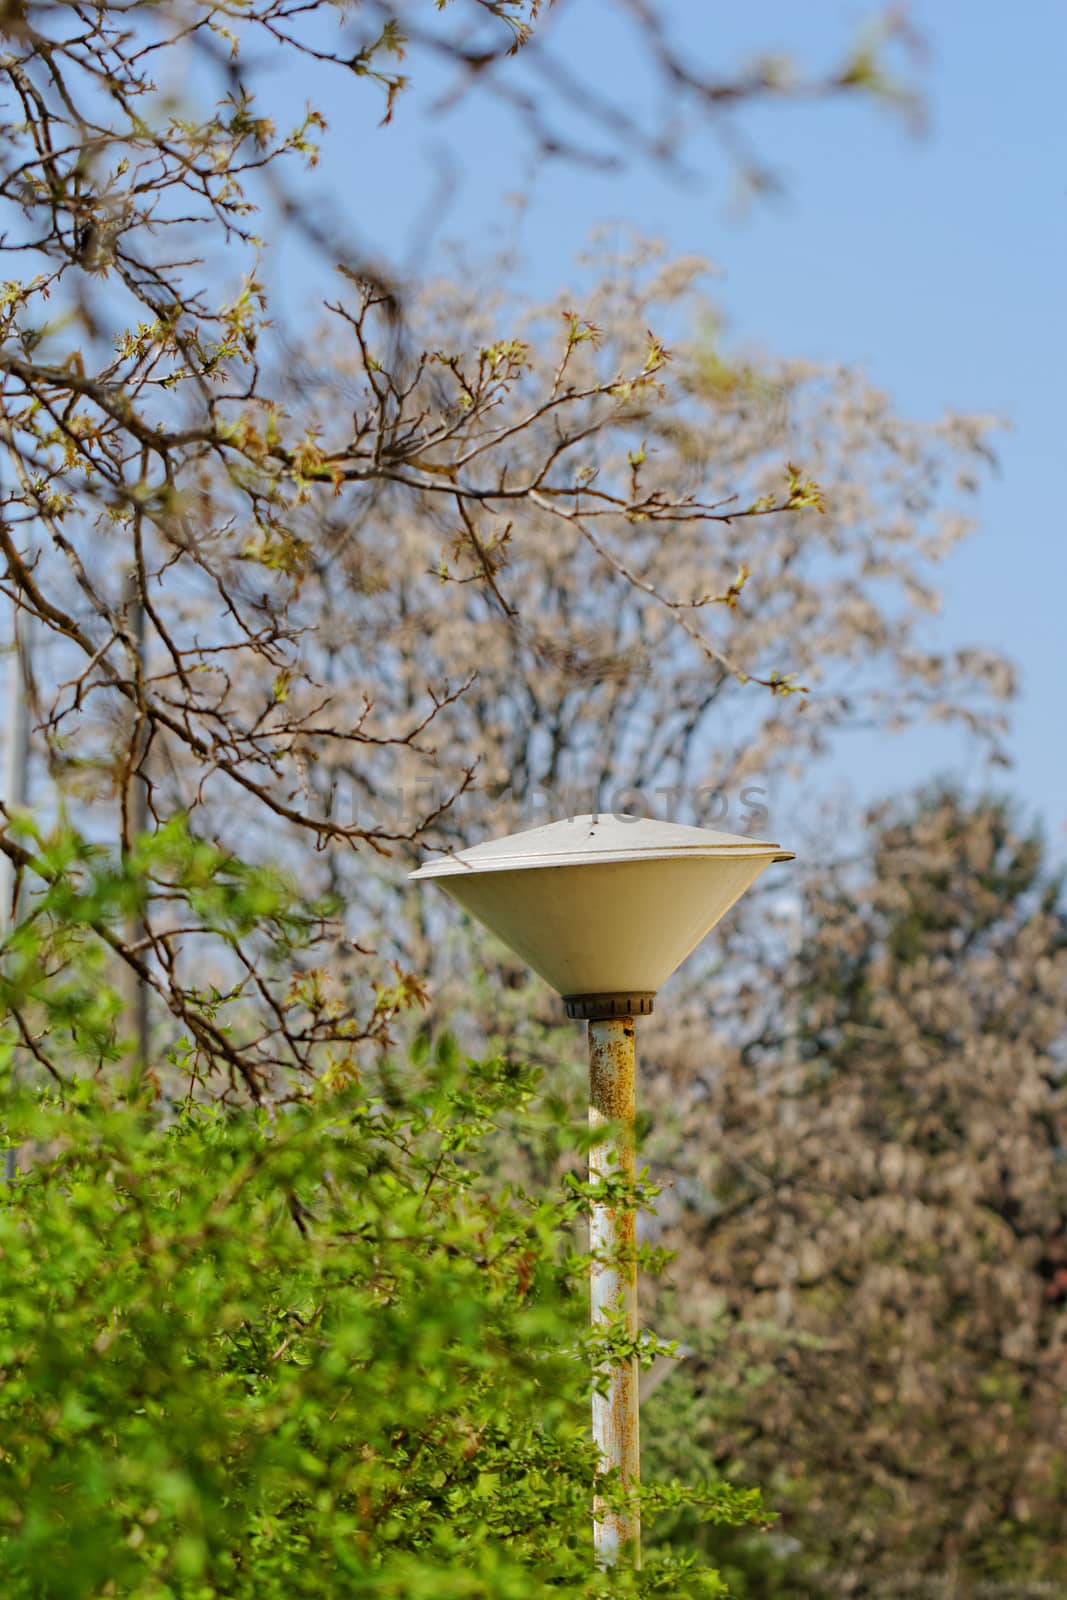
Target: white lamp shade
601,905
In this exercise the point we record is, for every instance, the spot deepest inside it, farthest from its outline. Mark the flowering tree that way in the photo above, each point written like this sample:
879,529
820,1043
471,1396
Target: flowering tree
869,1205
166,489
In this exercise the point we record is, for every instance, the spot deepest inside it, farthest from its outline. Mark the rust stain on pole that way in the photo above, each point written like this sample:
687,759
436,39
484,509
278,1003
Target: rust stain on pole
613,1275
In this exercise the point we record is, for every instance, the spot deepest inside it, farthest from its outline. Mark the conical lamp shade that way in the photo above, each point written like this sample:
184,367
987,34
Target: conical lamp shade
600,905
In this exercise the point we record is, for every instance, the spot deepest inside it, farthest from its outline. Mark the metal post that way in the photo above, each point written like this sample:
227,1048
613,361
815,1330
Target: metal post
613,1276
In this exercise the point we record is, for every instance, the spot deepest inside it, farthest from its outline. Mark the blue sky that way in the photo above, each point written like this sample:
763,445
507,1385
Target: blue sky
935,263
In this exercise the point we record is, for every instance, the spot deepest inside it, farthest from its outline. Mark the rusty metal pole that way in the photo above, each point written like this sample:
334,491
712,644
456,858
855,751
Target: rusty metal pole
613,1276
605,908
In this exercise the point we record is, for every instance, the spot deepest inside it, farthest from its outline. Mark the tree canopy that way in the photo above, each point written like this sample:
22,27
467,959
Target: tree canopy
314,566
183,503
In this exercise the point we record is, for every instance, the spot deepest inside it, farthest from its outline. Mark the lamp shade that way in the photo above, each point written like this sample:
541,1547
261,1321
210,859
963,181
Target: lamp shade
603,904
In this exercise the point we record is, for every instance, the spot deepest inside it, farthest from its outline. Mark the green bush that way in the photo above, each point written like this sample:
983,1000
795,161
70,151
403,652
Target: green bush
299,1352
313,1347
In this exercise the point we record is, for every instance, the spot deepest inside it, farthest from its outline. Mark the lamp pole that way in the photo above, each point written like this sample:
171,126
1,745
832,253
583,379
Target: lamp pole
613,1277
593,904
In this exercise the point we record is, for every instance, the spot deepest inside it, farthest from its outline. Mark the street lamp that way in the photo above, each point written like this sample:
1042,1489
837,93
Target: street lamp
605,908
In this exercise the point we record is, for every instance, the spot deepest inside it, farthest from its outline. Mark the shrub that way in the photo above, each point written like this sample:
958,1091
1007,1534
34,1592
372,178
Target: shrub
305,1350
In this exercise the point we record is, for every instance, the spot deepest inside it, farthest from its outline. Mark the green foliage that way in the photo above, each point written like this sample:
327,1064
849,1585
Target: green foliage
304,1352
683,1424
246,1350
254,935
316,1347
